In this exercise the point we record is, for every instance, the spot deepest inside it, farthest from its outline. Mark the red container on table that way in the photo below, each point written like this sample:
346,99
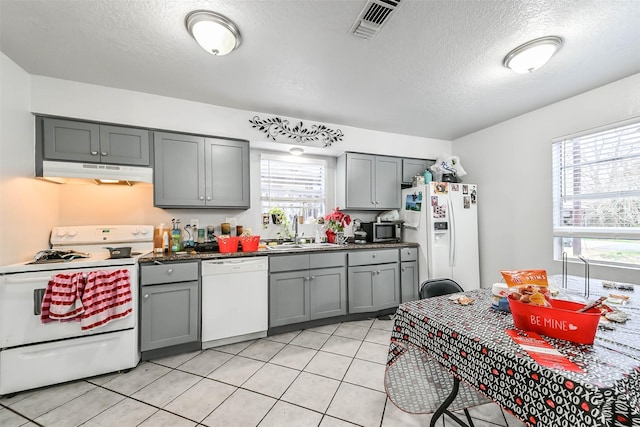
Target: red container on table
560,321
249,243
228,244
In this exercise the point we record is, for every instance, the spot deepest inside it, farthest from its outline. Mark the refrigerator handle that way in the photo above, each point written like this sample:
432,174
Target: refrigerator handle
452,234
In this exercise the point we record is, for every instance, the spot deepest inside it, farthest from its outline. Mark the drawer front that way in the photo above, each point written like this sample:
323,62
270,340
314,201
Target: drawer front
382,256
288,262
322,260
408,254
168,273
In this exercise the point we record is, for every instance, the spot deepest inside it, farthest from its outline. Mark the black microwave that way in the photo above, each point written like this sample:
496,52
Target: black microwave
380,232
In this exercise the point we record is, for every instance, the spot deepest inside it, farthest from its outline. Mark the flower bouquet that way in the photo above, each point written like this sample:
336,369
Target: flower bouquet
335,223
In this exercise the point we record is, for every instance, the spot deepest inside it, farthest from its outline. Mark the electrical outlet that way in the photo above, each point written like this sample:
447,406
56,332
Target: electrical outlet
195,223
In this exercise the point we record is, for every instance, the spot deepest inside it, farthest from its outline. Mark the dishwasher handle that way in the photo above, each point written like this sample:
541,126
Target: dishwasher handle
234,265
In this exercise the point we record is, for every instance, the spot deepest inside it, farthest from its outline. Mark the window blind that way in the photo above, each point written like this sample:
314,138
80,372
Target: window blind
295,184
596,183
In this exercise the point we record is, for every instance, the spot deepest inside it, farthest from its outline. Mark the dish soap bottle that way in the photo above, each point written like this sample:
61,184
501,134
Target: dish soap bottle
176,236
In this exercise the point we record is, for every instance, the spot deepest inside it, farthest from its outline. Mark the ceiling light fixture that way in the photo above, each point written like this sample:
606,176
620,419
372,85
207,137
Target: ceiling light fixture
214,33
533,54
296,151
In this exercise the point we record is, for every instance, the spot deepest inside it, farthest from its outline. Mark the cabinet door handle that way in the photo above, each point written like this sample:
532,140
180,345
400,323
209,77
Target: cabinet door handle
170,271
94,153
104,153
373,255
402,268
313,277
201,197
377,202
146,296
209,198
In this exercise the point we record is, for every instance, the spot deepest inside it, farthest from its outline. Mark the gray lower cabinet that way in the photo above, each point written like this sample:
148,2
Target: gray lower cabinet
409,274
93,142
305,287
197,171
169,305
374,280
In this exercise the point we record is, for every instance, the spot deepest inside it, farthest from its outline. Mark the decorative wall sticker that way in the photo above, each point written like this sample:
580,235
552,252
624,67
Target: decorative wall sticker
276,126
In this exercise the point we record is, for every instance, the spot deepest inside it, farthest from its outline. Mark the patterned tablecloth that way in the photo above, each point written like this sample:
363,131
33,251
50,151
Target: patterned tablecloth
470,342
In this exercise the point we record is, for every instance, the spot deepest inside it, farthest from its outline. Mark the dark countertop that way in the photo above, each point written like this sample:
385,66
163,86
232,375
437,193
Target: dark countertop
193,256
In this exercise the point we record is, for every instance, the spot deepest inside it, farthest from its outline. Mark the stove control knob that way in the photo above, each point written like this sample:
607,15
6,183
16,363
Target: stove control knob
72,232
61,233
136,231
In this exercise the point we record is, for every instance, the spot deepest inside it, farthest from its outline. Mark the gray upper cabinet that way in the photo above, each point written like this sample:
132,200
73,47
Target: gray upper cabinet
195,171
96,143
227,173
413,167
368,182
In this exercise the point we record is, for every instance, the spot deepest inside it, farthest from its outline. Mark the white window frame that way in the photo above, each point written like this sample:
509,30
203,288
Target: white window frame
267,203
625,135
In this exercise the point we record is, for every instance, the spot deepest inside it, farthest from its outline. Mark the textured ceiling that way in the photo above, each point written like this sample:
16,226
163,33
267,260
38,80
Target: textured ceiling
435,70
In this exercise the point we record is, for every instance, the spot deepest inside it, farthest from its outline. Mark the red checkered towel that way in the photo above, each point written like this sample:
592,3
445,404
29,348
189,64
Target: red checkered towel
62,298
107,297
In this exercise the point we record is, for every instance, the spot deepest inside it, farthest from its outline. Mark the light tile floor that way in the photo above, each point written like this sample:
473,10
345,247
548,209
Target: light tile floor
329,376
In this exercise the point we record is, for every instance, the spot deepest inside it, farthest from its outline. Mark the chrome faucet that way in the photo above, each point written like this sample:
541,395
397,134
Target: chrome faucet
296,238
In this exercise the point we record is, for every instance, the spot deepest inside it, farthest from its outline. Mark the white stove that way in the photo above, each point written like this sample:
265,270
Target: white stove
91,240
35,354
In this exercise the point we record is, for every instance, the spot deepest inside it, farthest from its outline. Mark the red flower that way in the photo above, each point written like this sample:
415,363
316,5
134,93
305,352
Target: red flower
336,220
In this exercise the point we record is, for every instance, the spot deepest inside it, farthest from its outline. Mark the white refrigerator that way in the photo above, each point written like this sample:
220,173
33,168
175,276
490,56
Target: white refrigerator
442,217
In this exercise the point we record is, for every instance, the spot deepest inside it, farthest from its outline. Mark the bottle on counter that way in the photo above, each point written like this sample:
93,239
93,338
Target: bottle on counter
158,233
166,247
176,236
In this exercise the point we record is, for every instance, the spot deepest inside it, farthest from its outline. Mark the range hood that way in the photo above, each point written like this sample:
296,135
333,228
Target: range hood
54,170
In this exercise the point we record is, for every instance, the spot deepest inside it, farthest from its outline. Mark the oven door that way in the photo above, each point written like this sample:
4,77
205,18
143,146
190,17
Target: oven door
20,299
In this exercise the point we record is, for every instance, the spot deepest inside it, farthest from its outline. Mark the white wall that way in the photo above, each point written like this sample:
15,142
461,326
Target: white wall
511,163
83,204
28,207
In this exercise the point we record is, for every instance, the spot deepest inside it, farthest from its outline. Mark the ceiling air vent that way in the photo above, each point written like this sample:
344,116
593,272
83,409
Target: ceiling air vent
374,14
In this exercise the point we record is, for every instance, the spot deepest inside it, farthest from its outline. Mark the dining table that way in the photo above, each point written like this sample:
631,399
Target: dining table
594,385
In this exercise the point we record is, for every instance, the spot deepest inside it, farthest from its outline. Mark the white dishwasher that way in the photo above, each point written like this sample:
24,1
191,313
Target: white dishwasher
235,300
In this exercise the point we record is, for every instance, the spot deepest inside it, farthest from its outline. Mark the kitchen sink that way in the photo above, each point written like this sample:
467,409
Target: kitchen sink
302,246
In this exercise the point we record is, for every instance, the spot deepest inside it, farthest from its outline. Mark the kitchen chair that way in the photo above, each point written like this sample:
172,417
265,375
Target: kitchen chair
437,287
434,288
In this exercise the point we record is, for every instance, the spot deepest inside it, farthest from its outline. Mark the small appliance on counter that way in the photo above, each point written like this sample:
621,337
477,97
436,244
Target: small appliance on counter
207,247
382,232
359,235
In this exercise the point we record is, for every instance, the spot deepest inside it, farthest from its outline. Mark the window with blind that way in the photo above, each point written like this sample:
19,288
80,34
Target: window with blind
297,185
596,194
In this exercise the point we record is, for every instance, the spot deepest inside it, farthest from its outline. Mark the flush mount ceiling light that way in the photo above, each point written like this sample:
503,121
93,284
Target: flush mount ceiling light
296,151
214,33
533,54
